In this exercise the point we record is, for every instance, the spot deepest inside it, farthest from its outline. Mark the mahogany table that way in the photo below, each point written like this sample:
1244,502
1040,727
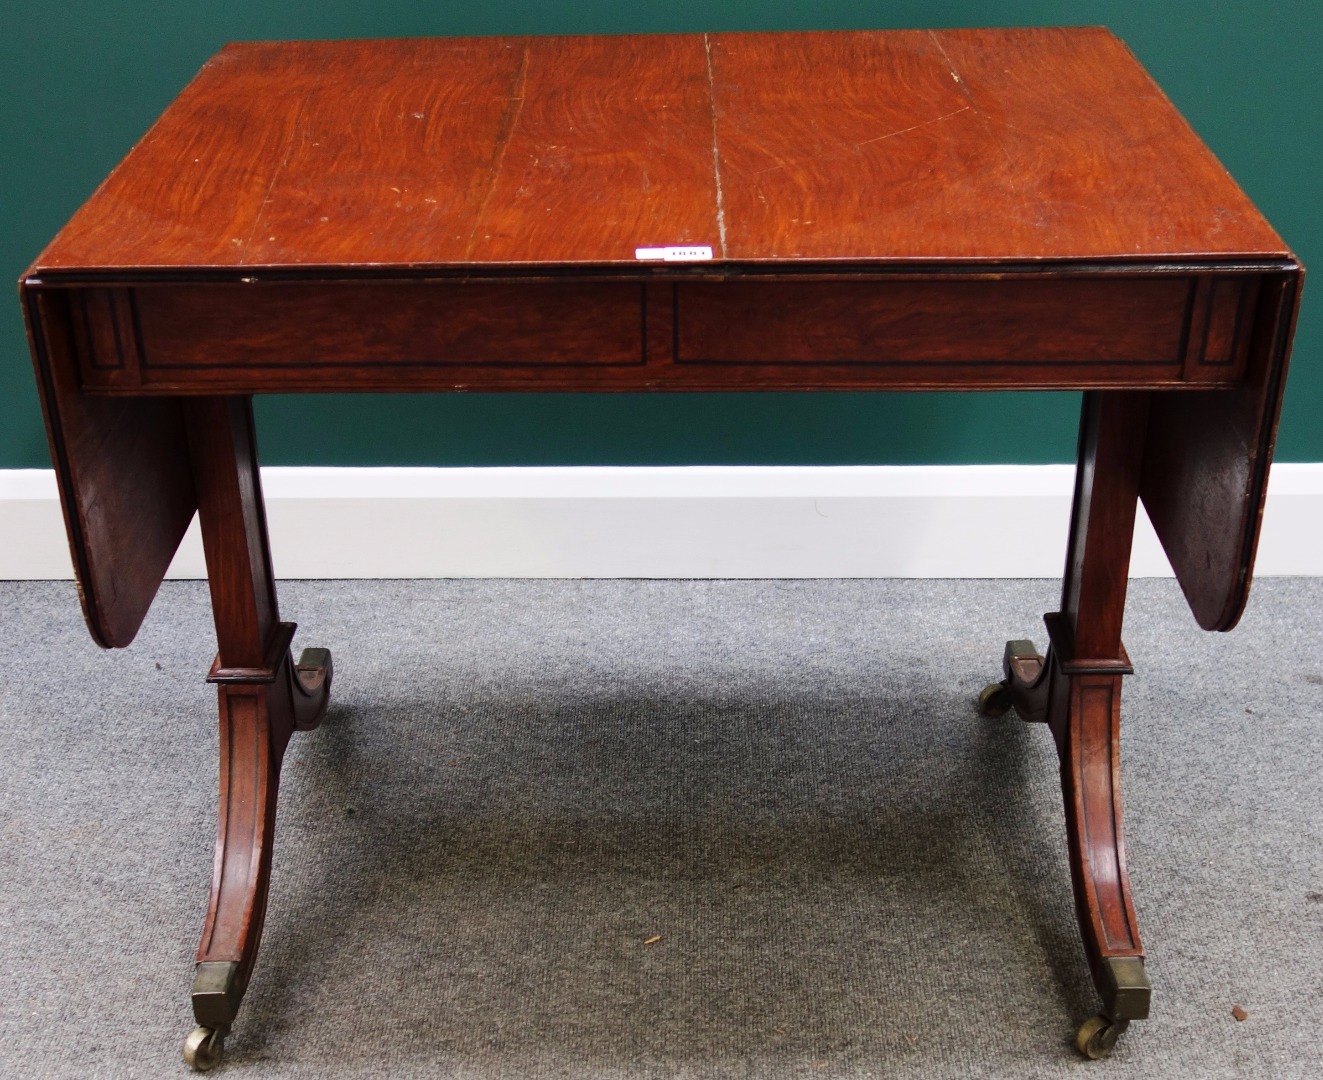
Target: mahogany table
956,210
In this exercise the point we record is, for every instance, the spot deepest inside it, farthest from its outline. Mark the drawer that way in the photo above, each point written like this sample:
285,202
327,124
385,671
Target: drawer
1084,327
940,332
150,334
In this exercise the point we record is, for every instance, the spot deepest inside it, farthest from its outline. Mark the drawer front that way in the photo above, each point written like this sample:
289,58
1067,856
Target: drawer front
978,332
1060,328
155,334
1121,321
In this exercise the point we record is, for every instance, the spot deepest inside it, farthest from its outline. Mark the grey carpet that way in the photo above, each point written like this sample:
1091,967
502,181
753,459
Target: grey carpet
521,782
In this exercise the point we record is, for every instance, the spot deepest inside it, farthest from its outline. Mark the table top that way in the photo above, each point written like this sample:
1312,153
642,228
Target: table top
971,209
887,147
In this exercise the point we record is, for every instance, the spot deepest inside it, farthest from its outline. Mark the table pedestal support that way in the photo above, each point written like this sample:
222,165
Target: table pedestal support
1076,690
264,697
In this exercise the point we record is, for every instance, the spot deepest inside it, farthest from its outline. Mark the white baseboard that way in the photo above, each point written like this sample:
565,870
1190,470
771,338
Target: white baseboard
712,521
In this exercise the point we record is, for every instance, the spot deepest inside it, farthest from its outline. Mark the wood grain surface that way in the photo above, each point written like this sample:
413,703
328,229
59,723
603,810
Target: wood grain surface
975,209
868,147
971,209
986,331
125,481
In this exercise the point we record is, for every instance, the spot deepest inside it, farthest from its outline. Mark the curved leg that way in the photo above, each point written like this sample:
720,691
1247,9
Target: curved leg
1076,690
249,777
256,721
1083,710
264,696
1089,748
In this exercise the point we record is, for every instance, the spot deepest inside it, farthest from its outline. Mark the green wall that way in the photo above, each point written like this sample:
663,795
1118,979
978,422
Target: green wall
84,78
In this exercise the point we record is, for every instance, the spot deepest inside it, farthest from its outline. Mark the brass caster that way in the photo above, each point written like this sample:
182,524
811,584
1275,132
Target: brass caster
1097,1036
203,1048
994,700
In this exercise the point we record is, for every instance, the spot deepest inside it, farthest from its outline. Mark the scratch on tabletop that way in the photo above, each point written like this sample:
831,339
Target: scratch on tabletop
950,66
880,138
915,127
987,124
246,245
508,124
716,159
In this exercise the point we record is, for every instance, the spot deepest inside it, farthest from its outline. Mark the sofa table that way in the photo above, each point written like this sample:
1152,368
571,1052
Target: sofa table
951,210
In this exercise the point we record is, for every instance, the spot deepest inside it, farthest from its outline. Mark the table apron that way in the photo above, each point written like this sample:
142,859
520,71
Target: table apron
1106,331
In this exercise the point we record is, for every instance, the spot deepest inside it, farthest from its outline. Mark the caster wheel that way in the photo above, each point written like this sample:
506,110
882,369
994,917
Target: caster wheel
994,700
203,1048
1097,1036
